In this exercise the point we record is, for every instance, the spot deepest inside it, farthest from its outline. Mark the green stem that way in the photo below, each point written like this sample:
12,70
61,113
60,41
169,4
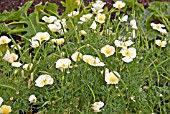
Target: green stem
10,87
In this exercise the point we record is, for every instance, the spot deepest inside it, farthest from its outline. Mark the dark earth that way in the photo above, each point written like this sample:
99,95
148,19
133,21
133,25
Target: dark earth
14,4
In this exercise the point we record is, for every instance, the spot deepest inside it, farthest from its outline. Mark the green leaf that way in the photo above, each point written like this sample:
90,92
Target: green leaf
25,8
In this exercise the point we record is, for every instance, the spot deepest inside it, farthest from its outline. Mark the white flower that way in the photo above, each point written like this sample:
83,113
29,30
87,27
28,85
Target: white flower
42,36
93,25
96,62
161,43
43,80
97,105
85,18
98,6
107,50
1,101
100,18
123,44
124,18
34,43
4,40
50,19
88,58
157,26
133,24
63,64
16,47
129,53
10,57
163,31
27,66
82,32
60,41
16,64
119,4
112,77
133,98
32,99
73,14
53,27
5,109
77,56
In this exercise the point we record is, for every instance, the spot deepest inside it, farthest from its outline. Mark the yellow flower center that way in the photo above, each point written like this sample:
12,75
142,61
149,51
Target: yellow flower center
5,110
127,53
119,6
42,38
158,27
112,78
3,41
108,51
101,18
44,82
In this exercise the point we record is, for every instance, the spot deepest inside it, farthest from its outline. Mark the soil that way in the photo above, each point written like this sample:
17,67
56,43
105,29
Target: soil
15,4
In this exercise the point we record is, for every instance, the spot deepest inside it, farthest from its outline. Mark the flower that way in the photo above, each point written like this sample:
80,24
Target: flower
98,6
107,50
123,44
10,57
82,33
111,77
93,25
5,109
42,36
161,43
32,99
88,58
60,41
34,43
129,53
96,62
16,64
124,18
50,19
27,66
159,27
119,4
100,18
4,40
85,18
43,80
73,14
97,105
16,47
77,56
1,101
133,24
63,64
53,27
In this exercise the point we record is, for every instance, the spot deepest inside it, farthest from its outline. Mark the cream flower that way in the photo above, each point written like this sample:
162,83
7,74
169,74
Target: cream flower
85,18
73,14
53,27
107,50
161,43
129,53
4,40
124,18
96,62
119,4
1,101
10,57
157,26
5,109
34,43
43,80
77,56
123,44
32,99
112,77
60,41
82,33
88,58
93,25
63,64
98,6
100,18
42,36
16,64
97,105
27,66
133,24
50,19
